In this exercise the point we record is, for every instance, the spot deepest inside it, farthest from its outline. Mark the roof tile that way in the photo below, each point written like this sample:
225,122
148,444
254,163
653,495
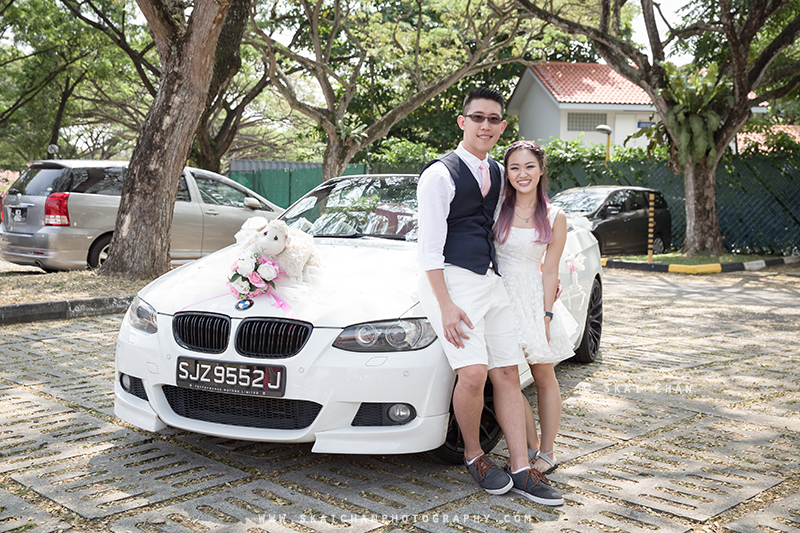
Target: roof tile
588,83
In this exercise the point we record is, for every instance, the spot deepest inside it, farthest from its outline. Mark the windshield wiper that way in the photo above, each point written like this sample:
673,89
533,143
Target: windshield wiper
391,237
350,235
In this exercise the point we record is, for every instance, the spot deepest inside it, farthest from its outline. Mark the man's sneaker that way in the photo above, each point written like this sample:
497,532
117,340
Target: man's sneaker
533,485
489,476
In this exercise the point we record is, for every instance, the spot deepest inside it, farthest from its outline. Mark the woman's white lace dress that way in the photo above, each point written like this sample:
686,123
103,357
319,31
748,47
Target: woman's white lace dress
519,260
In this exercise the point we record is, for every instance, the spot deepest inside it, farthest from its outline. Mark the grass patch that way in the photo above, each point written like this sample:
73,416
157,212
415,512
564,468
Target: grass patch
677,258
23,286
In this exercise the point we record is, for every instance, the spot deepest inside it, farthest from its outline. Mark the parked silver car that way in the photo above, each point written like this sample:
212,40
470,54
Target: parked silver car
60,214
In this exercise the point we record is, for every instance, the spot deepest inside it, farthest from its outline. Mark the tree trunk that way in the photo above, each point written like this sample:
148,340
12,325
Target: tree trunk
141,243
335,158
702,222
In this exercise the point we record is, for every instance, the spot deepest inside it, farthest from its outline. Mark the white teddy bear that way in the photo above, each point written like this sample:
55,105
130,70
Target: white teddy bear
291,249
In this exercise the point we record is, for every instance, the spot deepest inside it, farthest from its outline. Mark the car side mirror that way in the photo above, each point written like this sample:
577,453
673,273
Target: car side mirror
252,203
610,210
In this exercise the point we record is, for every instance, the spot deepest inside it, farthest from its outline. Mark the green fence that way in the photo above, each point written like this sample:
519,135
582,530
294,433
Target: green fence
758,199
286,185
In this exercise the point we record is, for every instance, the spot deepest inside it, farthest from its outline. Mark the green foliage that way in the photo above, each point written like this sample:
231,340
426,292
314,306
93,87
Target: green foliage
403,151
698,100
776,143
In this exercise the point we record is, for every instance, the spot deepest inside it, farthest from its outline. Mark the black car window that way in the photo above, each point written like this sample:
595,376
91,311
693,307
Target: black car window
42,181
617,200
105,181
183,191
637,200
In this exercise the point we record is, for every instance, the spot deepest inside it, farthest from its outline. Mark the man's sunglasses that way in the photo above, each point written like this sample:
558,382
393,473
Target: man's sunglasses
478,119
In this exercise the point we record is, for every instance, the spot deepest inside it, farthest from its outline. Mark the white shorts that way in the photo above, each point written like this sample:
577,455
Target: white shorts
484,299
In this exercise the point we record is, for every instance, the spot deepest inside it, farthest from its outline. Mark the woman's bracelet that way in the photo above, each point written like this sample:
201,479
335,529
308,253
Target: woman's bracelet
548,313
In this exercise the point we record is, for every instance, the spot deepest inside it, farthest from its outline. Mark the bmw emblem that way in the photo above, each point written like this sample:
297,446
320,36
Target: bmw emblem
243,305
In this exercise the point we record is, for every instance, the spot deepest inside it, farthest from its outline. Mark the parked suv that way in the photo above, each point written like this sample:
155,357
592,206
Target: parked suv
60,214
619,216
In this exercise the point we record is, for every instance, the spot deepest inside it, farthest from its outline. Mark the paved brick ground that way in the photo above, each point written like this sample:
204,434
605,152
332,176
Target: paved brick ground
688,423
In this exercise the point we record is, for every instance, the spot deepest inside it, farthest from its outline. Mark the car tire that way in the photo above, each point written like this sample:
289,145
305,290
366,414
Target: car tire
658,245
99,251
589,347
452,451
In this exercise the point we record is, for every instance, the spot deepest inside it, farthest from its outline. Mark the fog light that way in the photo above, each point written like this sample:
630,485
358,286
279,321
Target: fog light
125,381
399,413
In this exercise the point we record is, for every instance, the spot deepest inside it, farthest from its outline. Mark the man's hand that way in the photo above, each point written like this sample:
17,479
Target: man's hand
452,316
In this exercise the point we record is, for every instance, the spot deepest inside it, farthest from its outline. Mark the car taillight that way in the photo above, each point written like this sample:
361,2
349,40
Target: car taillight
55,210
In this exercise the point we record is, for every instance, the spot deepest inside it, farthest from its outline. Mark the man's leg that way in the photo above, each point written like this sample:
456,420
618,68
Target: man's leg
468,407
510,413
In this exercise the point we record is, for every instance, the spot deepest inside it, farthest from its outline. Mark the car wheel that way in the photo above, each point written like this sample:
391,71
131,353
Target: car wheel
99,251
658,245
452,451
590,343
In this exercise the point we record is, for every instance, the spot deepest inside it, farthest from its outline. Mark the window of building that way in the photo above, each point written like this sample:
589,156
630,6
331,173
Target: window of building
585,121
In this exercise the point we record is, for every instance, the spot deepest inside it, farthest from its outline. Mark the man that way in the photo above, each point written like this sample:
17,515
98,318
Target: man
458,195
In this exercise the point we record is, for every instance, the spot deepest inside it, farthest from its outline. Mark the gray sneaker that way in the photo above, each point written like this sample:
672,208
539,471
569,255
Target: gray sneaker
533,485
489,476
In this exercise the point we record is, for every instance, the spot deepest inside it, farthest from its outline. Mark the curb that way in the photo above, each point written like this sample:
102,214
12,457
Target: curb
712,268
63,309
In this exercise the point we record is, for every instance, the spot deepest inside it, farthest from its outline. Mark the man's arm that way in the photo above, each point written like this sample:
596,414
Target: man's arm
452,315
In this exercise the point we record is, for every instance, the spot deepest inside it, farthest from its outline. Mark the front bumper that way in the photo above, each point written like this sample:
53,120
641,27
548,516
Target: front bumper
338,381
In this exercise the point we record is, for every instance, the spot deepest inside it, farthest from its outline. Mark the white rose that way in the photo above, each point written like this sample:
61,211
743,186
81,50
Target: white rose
241,285
247,265
267,271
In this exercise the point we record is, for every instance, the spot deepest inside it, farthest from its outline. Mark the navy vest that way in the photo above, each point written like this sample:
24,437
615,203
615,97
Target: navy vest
470,241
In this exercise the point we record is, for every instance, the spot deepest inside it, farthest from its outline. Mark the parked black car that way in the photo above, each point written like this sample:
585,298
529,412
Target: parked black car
619,216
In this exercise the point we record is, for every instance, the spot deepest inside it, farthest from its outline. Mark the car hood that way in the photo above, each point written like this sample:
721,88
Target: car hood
361,280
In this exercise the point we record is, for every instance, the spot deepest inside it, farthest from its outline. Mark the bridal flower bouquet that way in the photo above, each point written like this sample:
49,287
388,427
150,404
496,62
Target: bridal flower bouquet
252,275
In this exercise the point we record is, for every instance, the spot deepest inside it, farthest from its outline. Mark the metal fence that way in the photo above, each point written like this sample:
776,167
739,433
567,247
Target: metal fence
758,199
283,186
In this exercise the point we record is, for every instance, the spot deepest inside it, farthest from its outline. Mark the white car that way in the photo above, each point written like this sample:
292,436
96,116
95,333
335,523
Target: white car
354,368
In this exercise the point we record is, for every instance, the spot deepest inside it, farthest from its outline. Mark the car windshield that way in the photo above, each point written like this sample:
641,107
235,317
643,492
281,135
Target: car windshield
380,206
580,200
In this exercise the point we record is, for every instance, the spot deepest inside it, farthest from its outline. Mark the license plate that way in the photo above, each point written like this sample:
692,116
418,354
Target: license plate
19,214
231,378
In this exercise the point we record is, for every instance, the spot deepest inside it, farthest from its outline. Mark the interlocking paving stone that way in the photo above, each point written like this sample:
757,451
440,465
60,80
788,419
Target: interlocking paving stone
18,515
90,391
126,477
36,431
267,456
695,471
256,506
590,412
386,485
581,514
783,516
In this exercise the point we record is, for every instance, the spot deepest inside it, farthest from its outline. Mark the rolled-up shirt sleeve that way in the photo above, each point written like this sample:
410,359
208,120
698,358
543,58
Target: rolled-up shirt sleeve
435,191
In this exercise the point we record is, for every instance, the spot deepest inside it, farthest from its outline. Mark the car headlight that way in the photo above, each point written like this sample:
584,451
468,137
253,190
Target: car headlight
143,316
387,336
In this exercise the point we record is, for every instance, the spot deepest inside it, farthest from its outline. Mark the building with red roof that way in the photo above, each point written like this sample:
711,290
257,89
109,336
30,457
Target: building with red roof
566,100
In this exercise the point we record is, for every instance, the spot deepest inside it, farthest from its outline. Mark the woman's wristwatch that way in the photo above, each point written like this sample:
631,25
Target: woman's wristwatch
548,313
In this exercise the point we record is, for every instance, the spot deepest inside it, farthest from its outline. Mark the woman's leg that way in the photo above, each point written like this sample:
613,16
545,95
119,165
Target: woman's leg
531,435
549,399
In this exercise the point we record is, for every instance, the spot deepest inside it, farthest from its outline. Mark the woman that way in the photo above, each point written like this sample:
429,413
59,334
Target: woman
527,229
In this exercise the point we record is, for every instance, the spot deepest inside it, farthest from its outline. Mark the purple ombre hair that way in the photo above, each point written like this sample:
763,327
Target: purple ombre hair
506,217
